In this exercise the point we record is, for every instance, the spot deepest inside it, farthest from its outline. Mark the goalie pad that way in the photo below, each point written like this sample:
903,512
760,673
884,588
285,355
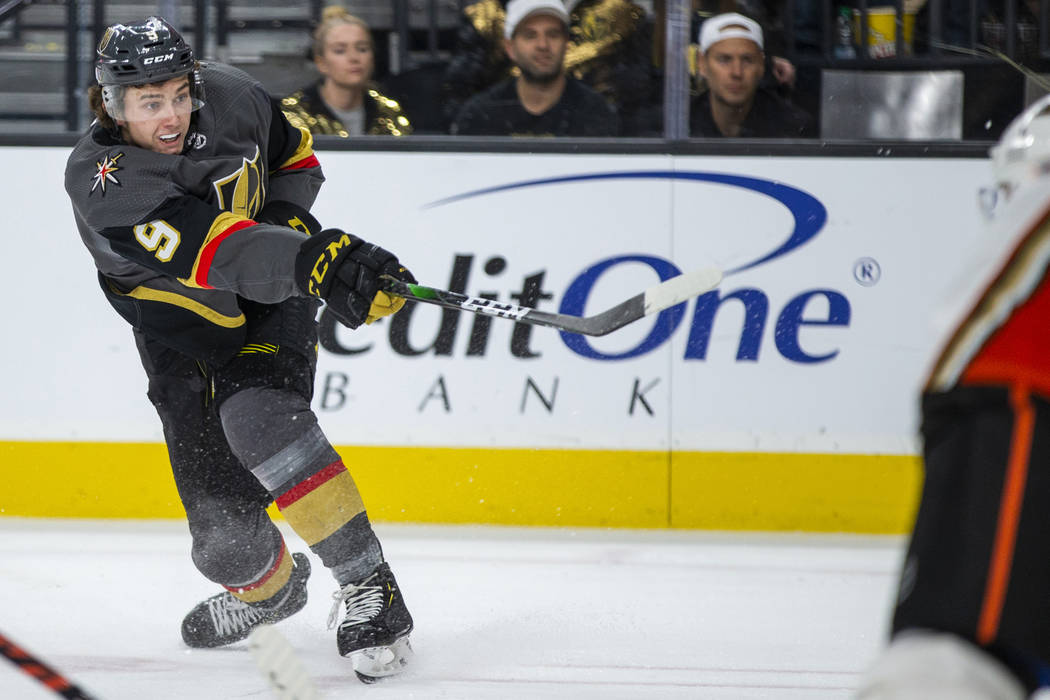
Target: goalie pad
924,665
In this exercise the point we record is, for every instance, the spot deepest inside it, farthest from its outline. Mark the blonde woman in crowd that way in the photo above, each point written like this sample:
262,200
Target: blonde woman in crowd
345,101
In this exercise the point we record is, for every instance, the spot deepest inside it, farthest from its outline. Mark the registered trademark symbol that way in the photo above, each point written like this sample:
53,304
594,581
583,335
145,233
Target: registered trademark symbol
867,272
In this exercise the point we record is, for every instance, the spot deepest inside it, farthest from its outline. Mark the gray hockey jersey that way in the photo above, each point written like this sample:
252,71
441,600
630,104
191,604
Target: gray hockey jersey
178,240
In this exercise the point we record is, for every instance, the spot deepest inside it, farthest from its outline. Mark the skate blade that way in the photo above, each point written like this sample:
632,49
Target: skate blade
379,662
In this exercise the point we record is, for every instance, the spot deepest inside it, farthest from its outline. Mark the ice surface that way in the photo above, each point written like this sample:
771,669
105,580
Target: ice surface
500,613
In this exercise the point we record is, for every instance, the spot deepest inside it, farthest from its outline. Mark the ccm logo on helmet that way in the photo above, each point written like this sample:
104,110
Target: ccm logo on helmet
157,59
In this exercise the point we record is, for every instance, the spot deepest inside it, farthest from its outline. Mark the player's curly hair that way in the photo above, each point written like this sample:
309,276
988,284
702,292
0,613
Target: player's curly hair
331,17
95,104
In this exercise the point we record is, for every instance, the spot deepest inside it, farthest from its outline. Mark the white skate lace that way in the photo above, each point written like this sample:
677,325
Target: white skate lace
230,614
362,603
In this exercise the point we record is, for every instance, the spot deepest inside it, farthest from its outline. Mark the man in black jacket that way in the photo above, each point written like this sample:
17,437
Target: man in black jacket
543,100
732,61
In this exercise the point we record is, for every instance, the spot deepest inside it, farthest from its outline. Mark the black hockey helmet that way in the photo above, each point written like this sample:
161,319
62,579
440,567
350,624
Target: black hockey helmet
141,53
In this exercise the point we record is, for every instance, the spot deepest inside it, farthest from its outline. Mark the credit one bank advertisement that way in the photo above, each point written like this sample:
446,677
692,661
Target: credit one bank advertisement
816,340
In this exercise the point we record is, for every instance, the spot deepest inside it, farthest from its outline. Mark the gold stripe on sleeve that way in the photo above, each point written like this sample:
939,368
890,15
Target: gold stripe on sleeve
205,312
305,150
224,222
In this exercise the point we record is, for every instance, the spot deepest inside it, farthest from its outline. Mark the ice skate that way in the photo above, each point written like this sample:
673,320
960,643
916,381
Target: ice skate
374,632
224,619
925,665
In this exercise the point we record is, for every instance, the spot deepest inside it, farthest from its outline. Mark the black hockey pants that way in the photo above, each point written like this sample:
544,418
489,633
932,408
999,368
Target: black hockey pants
233,538
977,563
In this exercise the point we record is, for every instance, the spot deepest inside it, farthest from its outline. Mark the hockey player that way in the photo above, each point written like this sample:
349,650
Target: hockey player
972,618
192,193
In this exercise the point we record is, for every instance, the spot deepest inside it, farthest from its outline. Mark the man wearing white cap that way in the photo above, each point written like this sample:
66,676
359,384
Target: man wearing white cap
610,50
732,61
542,100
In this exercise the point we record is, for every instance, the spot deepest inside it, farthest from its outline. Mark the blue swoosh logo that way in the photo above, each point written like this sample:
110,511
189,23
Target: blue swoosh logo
809,214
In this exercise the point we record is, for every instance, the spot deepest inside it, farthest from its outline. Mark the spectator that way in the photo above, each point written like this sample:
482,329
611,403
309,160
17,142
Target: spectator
781,73
345,101
542,100
610,49
732,62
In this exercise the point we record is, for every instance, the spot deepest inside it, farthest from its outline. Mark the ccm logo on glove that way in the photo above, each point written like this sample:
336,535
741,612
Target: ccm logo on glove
321,265
344,271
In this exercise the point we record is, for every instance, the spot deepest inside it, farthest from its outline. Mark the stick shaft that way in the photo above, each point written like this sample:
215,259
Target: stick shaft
39,670
655,299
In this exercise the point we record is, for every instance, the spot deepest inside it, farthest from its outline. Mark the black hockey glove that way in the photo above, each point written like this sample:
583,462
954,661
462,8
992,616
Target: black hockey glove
288,214
344,271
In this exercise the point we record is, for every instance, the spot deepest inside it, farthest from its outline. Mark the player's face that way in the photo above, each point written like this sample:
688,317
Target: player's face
733,68
157,117
538,47
348,59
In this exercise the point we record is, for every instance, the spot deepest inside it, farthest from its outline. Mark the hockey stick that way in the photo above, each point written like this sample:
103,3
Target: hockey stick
36,668
280,666
652,300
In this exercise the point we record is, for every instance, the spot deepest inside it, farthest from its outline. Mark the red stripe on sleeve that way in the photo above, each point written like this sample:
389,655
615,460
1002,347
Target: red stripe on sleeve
309,161
208,253
309,484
